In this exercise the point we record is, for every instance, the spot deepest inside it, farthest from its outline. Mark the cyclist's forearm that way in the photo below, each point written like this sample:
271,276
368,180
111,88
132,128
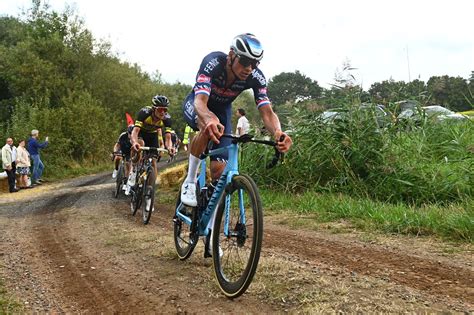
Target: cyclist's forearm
202,111
134,136
116,147
169,143
270,119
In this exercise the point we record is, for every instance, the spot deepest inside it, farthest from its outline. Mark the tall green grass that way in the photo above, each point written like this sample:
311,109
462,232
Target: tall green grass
432,163
453,222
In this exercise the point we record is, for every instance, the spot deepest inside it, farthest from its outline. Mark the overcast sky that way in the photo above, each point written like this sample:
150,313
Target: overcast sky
403,39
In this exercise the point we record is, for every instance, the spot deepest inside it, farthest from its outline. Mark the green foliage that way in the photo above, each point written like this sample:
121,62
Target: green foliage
433,163
8,305
292,87
450,92
453,222
55,77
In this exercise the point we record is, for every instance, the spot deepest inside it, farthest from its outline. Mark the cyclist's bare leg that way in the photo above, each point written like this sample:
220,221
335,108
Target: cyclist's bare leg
198,144
155,167
117,160
217,168
135,156
127,168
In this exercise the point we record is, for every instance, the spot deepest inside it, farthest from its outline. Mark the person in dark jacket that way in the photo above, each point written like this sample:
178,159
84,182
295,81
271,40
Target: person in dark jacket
34,147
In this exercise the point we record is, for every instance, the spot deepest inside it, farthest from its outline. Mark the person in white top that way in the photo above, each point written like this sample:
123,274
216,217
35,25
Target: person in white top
9,163
243,125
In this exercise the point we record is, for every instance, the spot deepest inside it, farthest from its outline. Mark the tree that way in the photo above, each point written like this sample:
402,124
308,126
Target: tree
292,87
450,92
388,91
54,76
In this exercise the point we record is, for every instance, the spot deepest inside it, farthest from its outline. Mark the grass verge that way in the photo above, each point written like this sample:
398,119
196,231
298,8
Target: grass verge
8,305
75,169
452,222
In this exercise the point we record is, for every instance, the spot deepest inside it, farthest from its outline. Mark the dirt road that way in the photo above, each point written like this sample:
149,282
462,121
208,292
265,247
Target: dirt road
71,247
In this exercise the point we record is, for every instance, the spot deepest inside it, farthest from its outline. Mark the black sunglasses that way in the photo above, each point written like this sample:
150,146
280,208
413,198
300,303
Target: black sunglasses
246,61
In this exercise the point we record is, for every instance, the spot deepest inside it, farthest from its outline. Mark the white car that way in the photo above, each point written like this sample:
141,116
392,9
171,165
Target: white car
440,113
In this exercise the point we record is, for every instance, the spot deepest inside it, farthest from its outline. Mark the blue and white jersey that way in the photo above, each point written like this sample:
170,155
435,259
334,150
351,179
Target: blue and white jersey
211,80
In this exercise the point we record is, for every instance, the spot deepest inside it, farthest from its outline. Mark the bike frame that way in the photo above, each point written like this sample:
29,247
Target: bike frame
231,169
147,159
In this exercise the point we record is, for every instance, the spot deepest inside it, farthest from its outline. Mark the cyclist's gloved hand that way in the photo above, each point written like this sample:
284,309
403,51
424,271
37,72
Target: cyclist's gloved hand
283,141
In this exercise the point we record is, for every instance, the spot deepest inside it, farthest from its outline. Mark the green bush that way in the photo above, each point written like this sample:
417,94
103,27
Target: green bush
432,163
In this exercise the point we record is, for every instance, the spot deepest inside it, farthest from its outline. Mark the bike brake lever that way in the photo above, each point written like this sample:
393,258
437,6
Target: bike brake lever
278,155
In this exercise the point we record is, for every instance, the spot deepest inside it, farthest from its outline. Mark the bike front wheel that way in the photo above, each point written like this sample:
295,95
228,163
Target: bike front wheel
148,195
137,197
185,233
237,236
119,181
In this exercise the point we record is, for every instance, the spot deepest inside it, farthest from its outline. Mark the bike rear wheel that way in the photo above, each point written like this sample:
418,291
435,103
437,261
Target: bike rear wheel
148,195
119,180
185,235
237,240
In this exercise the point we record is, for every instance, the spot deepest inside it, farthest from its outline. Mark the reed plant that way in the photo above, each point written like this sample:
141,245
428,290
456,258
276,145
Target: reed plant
432,162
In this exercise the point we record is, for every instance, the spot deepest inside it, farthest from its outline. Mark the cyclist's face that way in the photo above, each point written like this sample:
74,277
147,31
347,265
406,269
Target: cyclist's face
161,112
241,70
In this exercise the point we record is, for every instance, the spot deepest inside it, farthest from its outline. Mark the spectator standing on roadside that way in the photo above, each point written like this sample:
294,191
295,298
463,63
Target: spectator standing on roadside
34,147
23,164
8,163
243,125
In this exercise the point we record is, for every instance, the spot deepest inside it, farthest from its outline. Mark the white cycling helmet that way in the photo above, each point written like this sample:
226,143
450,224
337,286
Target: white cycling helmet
247,45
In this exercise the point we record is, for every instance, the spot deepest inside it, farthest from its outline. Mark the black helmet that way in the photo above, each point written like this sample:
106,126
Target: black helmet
130,129
160,101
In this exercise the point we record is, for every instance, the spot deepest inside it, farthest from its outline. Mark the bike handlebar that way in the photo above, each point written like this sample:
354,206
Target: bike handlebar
154,149
249,138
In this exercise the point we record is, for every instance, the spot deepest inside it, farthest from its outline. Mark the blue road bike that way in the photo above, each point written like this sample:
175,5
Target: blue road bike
237,232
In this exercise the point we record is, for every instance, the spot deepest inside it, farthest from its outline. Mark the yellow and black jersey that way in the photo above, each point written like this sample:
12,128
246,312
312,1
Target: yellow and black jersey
145,121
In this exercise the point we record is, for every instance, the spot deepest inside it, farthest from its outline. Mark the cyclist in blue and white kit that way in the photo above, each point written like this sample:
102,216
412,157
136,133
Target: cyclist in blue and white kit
208,108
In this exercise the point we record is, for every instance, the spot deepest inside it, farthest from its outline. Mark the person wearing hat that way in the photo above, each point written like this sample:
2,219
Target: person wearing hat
34,147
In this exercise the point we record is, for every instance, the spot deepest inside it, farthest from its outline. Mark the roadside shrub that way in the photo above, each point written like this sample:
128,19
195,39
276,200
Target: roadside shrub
432,163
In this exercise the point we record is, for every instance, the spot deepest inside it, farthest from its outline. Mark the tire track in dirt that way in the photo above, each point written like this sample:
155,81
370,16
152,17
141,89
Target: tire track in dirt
72,267
433,277
423,274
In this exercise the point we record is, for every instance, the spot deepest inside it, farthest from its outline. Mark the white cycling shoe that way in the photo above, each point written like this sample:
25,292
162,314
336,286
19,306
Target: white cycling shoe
131,179
114,174
127,190
188,194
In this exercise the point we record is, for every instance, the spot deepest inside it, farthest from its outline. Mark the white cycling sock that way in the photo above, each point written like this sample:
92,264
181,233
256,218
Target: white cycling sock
194,163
